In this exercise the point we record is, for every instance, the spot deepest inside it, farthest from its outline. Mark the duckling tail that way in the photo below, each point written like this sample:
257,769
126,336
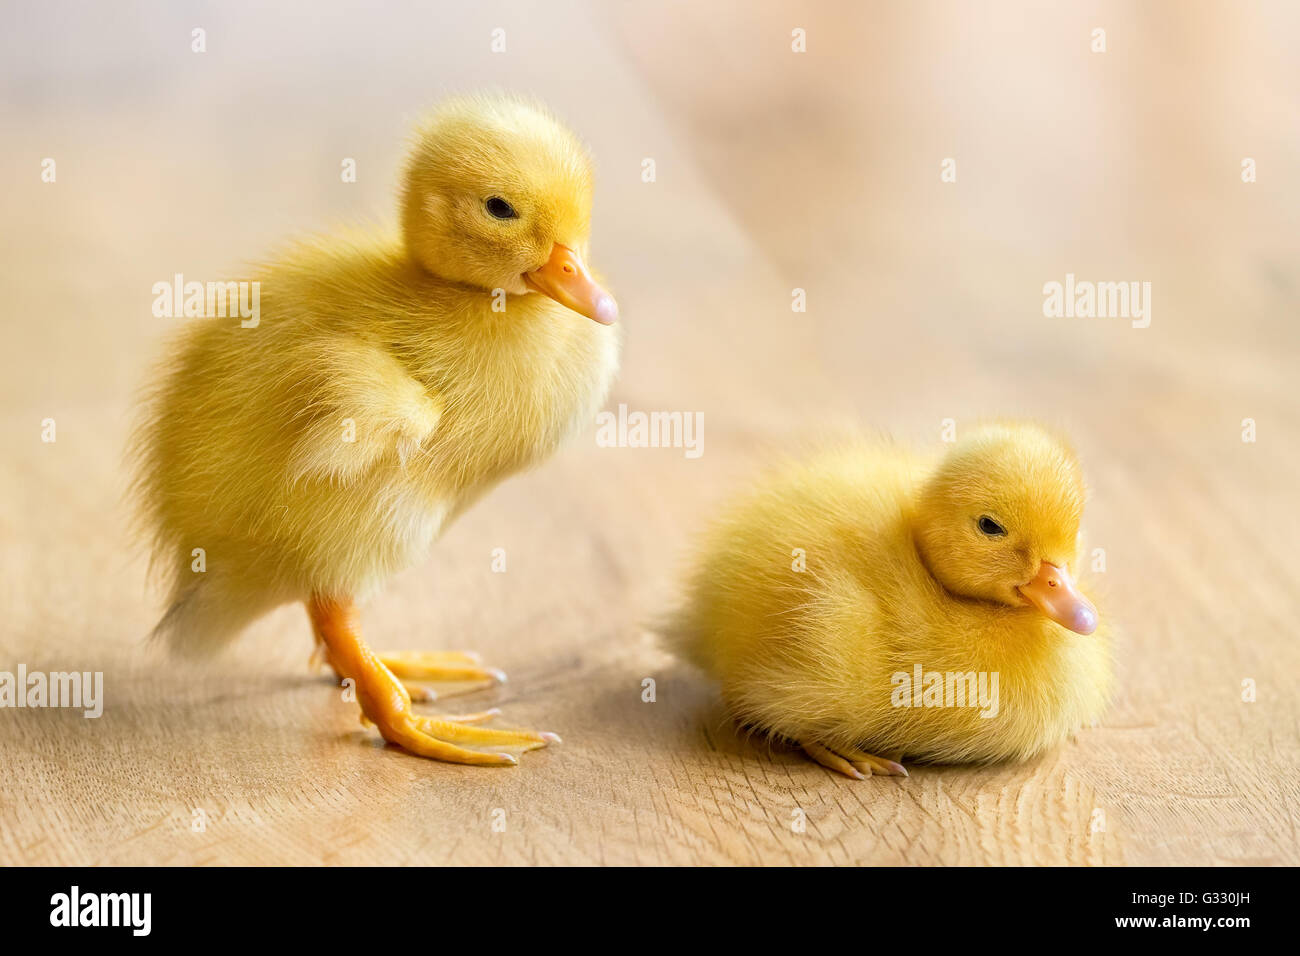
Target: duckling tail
679,634
202,620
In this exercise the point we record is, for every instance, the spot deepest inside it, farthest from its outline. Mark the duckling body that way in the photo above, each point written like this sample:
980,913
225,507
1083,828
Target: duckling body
318,495
816,600
387,384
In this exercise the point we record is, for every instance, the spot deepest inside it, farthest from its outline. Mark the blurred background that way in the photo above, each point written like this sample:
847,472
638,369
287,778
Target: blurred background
775,170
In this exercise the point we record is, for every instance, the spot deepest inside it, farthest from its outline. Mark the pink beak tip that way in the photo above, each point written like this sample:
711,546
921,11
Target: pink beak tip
1085,620
1054,593
606,310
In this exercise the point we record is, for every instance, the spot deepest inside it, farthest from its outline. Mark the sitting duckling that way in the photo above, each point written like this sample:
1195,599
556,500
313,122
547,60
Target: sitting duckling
870,602
388,384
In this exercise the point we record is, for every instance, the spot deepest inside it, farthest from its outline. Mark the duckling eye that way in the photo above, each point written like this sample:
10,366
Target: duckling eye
991,527
498,208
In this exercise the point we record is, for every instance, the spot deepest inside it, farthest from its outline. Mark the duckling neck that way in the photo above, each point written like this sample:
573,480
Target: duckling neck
918,543
914,534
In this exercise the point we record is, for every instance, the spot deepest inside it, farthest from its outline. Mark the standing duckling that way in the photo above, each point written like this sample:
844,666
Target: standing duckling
871,602
388,383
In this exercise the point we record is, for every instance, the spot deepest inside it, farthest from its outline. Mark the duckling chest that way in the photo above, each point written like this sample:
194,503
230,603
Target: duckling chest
514,402
1007,695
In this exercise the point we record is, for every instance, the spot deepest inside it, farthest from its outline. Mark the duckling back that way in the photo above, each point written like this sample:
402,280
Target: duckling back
786,575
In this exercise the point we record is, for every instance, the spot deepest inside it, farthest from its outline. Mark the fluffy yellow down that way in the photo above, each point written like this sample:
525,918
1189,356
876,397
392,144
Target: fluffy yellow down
899,574
390,341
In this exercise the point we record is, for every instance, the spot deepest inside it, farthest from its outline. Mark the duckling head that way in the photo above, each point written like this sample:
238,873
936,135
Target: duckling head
999,521
497,195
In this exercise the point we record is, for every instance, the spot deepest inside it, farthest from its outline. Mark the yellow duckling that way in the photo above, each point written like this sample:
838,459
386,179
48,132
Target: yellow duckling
871,602
387,384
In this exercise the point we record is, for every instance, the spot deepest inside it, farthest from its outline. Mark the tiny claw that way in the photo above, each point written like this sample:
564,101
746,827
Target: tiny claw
421,694
898,770
497,674
550,737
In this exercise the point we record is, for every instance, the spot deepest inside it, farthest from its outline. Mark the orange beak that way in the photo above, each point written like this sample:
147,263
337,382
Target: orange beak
1053,593
565,279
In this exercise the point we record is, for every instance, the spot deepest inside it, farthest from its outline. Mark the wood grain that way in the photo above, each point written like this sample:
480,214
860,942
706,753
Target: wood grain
774,171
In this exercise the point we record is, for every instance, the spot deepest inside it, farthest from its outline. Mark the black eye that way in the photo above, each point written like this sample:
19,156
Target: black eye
991,527
500,209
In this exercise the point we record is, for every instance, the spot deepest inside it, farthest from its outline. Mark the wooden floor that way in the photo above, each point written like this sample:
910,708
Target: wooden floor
774,171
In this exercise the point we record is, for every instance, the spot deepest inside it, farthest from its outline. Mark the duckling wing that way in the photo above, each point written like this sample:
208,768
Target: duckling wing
361,405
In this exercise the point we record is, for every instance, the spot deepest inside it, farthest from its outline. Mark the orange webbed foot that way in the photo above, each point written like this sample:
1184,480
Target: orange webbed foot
461,668
386,700
851,762
461,740
463,671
